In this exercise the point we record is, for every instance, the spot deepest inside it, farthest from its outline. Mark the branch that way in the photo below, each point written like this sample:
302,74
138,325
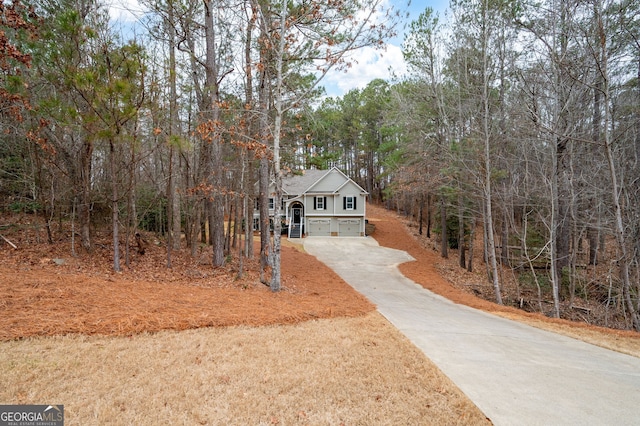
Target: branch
9,242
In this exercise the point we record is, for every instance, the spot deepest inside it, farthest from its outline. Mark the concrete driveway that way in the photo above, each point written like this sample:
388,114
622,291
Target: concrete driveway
516,374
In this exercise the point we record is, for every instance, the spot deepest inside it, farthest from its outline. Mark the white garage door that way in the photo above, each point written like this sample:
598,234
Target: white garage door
349,227
319,227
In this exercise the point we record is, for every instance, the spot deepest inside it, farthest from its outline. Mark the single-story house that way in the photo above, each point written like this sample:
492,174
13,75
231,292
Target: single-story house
320,203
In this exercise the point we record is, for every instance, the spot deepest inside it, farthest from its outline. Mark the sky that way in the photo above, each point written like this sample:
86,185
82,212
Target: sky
367,63
384,64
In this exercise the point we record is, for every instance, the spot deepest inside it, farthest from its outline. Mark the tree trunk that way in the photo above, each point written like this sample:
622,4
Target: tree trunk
237,218
486,135
555,276
215,169
461,235
170,195
48,208
242,214
250,128
132,214
624,258
429,215
114,206
504,237
491,247
593,235
444,244
84,207
227,237
563,217
592,231
471,241
559,182
263,202
174,148
420,208
196,232
263,168
277,129
637,114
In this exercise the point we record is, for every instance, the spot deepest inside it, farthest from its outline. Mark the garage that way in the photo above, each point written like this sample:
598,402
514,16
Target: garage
319,227
349,227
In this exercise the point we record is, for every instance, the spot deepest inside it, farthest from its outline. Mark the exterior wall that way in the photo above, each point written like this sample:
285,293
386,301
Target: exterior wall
335,208
310,205
350,190
256,211
332,180
333,188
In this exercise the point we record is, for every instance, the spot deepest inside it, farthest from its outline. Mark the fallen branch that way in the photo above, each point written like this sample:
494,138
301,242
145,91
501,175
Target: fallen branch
9,242
580,308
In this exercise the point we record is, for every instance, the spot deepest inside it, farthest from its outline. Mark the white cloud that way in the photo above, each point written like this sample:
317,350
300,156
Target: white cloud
386,64
367,65
125,10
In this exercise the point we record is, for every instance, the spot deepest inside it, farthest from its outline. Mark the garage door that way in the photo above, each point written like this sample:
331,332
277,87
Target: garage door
319,227
349,227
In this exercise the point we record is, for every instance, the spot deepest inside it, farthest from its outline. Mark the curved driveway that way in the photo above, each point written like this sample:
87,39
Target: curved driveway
516,374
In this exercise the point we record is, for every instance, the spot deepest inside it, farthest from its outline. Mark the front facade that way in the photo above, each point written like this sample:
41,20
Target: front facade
321,203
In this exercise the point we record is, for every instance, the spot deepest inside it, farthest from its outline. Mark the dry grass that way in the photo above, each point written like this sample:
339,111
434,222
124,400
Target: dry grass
135,347
327,371
353,371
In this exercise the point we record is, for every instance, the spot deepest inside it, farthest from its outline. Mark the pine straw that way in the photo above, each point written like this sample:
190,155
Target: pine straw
334,362
38,298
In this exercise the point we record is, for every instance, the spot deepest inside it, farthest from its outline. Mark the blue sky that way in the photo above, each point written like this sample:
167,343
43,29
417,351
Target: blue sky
372,64
369,64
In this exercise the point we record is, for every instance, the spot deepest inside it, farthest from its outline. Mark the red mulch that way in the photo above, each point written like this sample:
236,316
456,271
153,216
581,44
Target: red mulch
40,298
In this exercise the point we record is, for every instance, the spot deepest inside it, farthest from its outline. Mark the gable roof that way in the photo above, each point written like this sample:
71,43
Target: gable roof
298,184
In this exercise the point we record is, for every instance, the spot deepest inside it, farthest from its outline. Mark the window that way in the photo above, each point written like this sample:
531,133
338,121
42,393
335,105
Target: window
272,204
319,203
349,203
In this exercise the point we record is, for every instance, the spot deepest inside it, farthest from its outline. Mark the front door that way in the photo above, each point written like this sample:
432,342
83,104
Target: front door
297,215
295,230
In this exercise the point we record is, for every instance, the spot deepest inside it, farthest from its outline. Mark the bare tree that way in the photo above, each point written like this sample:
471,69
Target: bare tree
295,33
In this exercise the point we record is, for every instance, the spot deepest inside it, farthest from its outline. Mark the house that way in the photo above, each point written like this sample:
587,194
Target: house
320,203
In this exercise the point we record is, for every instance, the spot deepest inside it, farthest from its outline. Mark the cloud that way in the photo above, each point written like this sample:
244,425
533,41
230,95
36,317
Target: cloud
367,65
125,10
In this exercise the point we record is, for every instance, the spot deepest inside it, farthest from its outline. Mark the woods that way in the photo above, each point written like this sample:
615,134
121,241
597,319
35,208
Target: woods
517,128
175,129
533,132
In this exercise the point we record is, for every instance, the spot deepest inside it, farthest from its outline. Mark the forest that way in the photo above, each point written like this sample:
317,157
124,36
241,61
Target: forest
515,138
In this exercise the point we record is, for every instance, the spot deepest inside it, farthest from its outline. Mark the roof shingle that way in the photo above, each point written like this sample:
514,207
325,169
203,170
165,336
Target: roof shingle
298,184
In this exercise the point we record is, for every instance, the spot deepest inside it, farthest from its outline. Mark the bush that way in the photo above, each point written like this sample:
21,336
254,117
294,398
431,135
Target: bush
27,206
